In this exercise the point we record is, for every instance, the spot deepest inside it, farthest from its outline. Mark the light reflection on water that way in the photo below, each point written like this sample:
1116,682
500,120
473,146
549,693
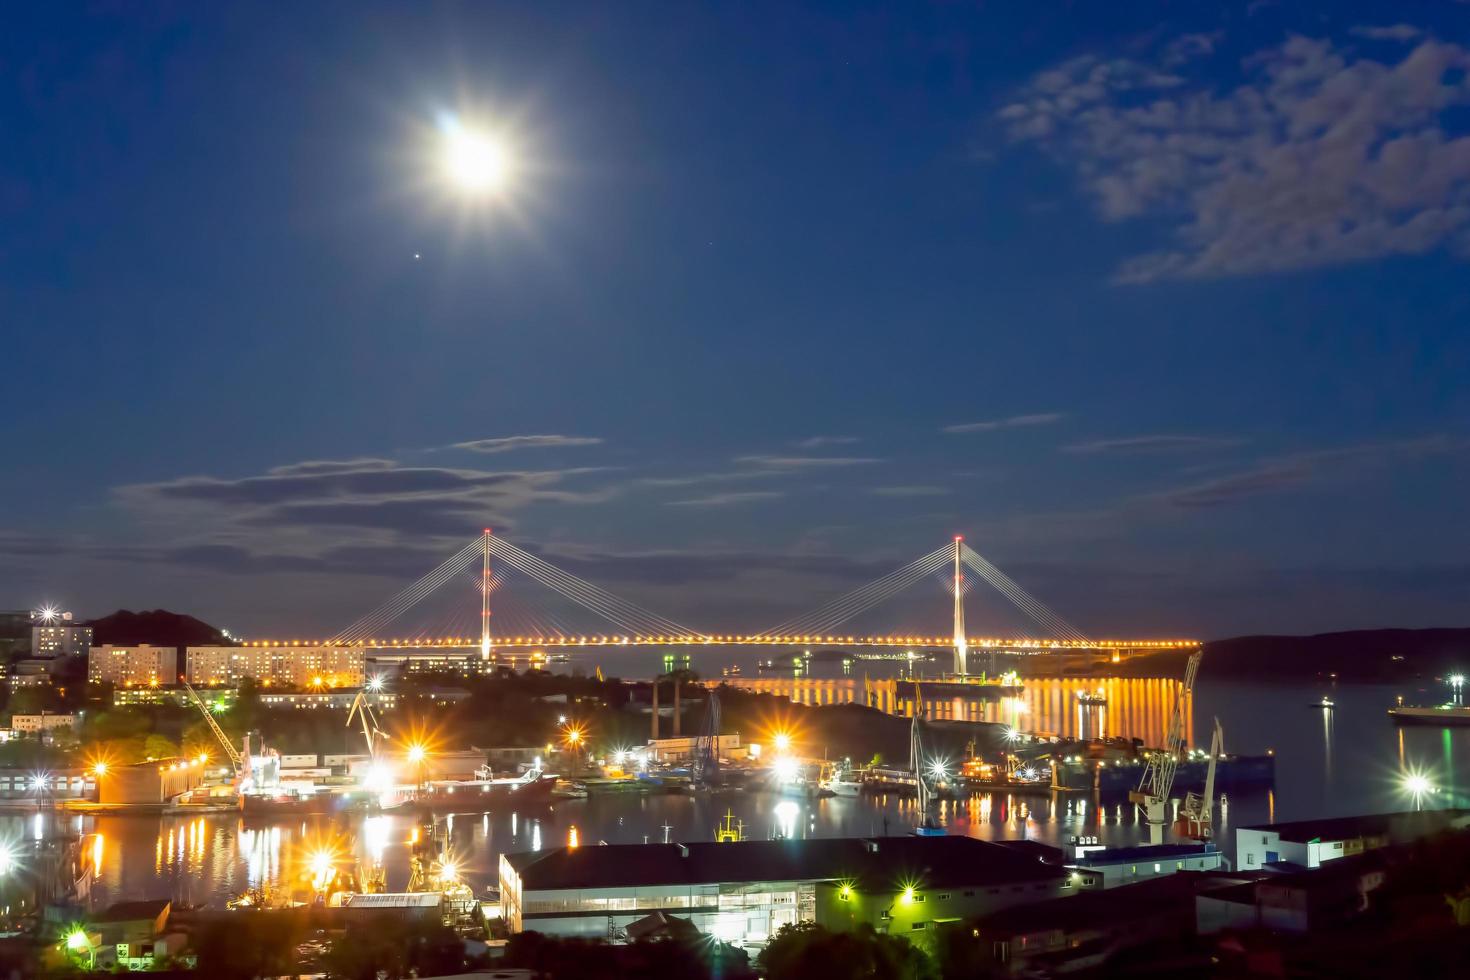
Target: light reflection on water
1347,763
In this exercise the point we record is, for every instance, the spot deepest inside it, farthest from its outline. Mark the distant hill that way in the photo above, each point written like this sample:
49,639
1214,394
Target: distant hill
158,627
1387,655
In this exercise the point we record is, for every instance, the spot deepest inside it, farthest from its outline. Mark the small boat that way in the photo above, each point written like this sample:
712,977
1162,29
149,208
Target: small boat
1097,698
1325,704
840,781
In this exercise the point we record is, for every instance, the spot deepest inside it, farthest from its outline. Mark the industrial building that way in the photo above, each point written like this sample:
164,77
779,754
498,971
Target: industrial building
275,666
1109,867
149,783
744,891
136,666
1306,844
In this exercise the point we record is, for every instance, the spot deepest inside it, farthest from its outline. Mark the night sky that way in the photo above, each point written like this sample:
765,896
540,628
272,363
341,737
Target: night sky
1166,310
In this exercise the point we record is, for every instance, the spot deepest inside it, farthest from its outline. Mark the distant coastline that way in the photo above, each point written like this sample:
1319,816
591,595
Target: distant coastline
1379,656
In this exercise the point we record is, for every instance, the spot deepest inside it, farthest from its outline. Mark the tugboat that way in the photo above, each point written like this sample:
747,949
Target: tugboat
1326,704
1091,698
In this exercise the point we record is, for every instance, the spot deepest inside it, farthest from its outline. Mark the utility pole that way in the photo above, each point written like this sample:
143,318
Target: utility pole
959,609
485,600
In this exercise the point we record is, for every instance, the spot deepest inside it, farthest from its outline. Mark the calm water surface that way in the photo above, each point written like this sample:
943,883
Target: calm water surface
1345,761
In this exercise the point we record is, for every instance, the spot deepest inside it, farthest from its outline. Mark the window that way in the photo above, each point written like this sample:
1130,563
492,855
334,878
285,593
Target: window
944,897
917,925
1158,868
969,893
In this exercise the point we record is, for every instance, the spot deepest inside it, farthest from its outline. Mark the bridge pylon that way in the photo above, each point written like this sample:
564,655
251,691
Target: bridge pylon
959,609
485,598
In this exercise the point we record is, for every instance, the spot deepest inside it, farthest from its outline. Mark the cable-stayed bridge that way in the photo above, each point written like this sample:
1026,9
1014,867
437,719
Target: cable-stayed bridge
469,603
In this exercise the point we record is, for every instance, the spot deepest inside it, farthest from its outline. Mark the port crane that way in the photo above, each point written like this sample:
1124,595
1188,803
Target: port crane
1152,795
1195,815
231,752
362,711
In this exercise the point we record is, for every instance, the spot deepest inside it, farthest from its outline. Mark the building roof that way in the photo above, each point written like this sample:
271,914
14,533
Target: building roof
874,864
1404,825
133,911
394,900
1143,853
1099,908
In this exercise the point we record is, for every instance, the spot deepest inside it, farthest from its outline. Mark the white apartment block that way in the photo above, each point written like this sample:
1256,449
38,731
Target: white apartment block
41,723
276,666
140,666
60,641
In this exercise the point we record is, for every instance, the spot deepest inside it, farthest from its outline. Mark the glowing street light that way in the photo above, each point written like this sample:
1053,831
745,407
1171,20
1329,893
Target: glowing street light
375,683
417,753
782,742
100,769
938,770
1418,786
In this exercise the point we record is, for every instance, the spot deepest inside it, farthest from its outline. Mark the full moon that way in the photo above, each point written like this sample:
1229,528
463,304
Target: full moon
476,163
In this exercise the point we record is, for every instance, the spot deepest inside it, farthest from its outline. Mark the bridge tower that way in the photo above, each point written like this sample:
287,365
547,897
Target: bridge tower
485,599
959,609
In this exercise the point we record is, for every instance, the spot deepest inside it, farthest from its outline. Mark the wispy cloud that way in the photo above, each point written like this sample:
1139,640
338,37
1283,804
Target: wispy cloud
1280,473
1014,422
817,442
805,462
1317,155
505,444
728,499
916,490
1394,32
1152,444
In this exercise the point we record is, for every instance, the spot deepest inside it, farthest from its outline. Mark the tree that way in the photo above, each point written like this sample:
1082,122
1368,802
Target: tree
805,949
157,746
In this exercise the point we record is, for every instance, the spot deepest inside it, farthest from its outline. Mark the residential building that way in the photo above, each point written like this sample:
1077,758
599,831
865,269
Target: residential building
29,674
306,667
176,695
744,891
1307,844
31,724
332,700
64,640
135,666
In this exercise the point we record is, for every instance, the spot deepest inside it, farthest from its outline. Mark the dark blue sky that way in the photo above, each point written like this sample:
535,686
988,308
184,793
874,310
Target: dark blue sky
1164,308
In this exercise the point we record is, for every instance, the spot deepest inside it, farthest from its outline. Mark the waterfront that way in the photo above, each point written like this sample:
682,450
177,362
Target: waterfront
1339,762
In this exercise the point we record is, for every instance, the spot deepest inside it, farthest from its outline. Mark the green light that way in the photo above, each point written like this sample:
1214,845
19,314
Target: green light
77,941
908,895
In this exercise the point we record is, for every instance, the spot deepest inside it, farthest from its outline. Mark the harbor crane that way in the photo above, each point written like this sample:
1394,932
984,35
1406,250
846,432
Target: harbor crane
1152,795
362,711
1195,815
231,752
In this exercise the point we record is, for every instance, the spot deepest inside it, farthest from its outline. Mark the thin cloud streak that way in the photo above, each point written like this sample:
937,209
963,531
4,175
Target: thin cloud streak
728,499
1152,444
506,444
1014,422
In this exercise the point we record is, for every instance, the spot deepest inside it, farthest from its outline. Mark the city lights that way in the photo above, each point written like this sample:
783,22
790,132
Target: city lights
782,741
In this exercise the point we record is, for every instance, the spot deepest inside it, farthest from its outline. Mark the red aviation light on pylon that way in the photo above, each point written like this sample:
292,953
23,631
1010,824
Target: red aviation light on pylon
957,537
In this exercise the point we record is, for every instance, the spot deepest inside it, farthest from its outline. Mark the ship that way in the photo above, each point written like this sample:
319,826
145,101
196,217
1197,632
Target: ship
532,788
288,804
1446,715
1097,698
